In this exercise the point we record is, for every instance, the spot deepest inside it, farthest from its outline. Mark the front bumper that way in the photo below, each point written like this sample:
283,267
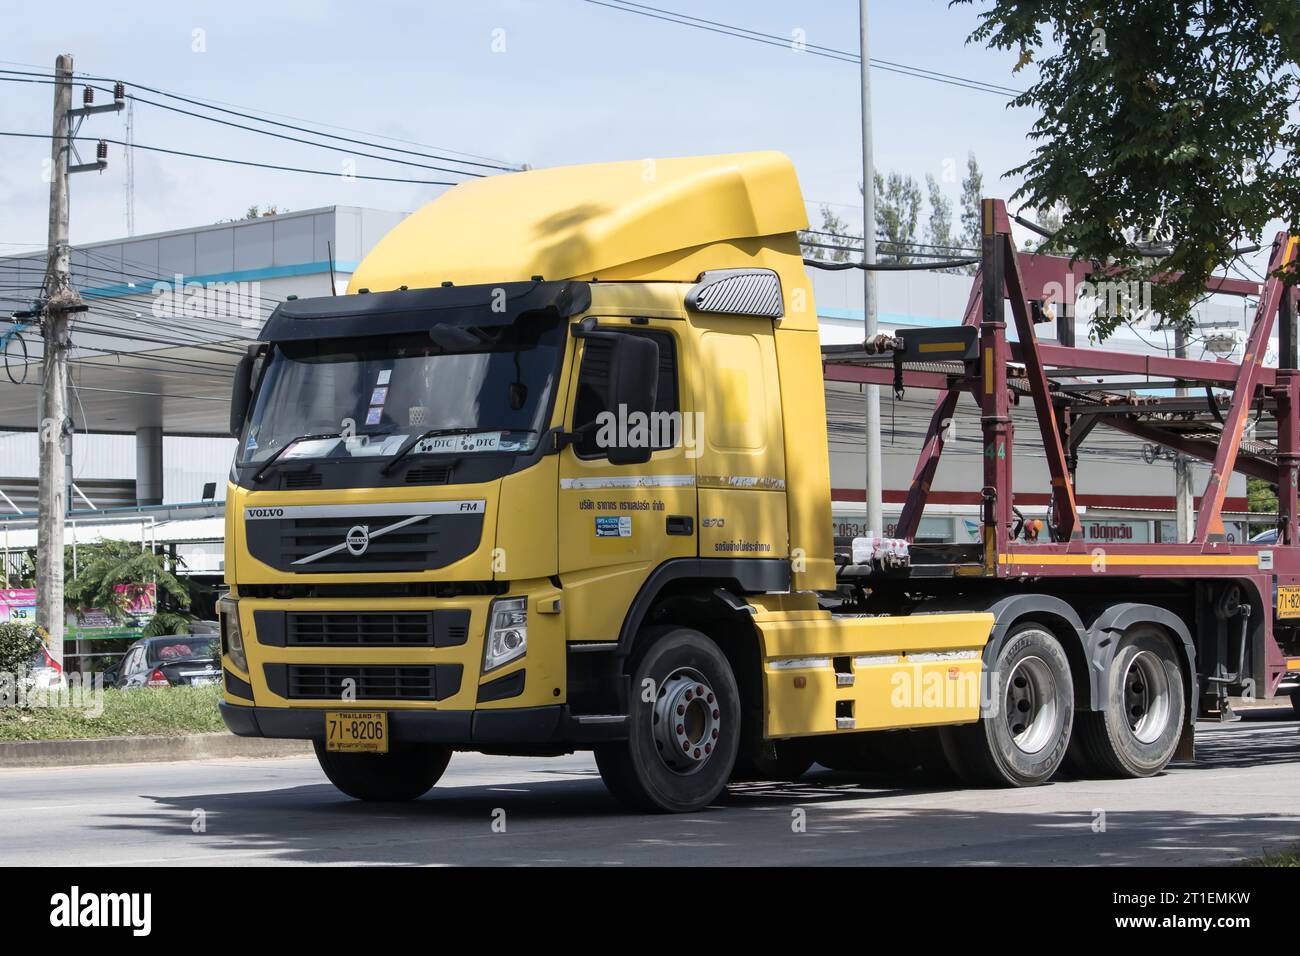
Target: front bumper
471,729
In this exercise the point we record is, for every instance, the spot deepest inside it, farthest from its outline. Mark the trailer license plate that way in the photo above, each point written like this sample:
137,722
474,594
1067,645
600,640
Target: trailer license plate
1288,600
357,731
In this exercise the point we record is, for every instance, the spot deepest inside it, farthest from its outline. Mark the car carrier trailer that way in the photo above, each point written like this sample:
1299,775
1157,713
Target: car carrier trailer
554,475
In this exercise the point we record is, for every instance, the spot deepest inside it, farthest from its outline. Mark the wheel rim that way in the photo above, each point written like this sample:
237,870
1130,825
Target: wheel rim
1146,697
687,721
1031,705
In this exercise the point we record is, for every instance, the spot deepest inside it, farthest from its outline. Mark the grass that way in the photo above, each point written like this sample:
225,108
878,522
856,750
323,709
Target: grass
1287,857
126,713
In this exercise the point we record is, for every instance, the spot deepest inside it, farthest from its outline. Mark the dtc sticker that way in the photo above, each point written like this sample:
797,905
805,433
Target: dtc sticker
612,526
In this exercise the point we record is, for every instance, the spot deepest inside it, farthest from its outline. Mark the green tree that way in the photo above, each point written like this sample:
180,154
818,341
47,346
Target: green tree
938,228
102,567
1169,120
1261,496
833,232
972,191
898,216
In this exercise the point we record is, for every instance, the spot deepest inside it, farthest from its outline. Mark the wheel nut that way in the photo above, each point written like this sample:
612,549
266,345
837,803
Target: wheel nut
697,753
681,729
715,715
689,695
681,709
715,733
709,698
700,689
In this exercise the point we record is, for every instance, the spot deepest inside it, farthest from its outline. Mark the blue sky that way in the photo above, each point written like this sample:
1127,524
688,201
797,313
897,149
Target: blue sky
575,83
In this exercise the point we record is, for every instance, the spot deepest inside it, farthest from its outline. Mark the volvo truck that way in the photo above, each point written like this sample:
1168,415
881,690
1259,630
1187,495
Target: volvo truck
553,476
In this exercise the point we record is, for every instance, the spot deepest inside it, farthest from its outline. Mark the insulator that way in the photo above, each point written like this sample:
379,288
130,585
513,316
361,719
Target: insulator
88,95
101,152
119,90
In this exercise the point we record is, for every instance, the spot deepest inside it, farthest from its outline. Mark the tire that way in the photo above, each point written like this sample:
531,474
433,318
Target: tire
406,772
1023,732
668,765
1295,701
1137,732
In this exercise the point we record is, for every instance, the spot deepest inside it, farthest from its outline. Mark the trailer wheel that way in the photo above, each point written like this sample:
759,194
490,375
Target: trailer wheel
406,772
1137,732
1022,735
682,743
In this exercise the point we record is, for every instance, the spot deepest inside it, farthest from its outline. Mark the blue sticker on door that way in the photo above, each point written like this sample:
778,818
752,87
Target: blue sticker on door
612,526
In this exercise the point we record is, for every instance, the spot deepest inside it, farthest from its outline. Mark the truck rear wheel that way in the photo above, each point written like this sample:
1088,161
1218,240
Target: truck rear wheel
406,772
1022,735
682,742
1137,732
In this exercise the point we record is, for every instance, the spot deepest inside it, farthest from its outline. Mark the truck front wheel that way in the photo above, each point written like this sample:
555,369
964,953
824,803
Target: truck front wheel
684,725
1022,734
1137,732
406,772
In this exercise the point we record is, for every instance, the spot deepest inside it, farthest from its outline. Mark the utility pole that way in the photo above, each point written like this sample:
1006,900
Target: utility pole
61,300
872,487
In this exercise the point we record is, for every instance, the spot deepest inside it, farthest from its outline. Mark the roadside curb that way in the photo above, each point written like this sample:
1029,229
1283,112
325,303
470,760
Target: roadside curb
108,750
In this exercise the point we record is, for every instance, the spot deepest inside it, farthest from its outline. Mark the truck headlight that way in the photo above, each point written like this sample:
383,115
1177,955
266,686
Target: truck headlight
232,638
507,632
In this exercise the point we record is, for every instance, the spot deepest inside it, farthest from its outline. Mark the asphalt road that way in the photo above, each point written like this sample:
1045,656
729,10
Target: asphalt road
1242,797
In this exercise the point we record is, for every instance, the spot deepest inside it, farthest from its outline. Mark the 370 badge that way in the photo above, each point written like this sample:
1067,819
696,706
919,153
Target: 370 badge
614,526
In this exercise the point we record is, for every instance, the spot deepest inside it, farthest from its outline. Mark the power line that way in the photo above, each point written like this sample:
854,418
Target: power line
484,162
235,162
786,43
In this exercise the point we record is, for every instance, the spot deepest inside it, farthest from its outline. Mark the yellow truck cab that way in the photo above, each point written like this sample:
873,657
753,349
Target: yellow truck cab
553,475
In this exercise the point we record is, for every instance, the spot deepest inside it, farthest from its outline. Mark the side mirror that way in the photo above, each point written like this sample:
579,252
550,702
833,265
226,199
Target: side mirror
240,392
633,390
110,676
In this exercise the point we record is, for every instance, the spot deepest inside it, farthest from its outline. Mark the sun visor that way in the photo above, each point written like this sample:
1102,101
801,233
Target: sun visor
417,310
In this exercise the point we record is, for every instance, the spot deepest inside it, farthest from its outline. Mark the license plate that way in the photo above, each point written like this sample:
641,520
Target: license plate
361,731
202,681
1288,600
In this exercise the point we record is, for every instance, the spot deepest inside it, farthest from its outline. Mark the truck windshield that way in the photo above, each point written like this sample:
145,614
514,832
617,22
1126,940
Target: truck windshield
470,390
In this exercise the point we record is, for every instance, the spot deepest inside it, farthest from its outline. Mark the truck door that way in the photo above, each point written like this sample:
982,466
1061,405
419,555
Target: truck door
617,523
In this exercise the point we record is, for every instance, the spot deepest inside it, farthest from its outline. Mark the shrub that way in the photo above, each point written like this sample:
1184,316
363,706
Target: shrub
18,642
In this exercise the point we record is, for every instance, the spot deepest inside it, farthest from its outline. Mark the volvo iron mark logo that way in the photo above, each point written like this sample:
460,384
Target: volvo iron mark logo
357,540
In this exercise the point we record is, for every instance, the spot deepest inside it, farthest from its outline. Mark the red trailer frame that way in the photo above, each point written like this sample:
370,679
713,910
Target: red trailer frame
996,372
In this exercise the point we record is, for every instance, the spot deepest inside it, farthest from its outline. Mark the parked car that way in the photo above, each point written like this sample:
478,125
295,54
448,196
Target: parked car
44,670
177,660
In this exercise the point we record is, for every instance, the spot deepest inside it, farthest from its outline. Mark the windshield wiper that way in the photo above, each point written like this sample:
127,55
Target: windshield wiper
261,472
412,442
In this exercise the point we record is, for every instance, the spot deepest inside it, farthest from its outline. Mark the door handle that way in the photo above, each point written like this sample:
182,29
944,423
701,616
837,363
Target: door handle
680,524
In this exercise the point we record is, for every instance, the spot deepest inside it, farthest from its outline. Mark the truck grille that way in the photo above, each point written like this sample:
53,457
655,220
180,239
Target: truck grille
323,539
376,629
371,681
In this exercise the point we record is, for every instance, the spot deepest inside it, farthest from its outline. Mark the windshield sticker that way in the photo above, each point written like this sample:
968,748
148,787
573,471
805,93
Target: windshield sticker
251,444
379,396
384,375
610,526
373,414
442,444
